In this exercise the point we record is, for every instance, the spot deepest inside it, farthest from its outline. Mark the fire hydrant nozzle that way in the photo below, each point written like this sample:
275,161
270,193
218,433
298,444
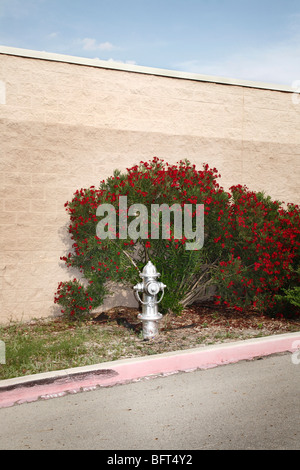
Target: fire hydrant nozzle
150,287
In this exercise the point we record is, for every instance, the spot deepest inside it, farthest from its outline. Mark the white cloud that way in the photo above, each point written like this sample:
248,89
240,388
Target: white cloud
90,44
129,62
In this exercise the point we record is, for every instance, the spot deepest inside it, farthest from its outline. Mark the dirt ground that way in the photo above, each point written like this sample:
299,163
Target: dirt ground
200,324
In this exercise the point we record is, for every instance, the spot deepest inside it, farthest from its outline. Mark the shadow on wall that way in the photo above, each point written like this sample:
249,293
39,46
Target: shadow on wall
121,297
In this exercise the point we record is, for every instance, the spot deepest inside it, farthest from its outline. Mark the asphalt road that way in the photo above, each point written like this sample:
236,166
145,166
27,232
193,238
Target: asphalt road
247,405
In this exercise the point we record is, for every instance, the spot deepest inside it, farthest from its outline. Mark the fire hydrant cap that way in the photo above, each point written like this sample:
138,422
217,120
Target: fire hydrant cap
153,287
149,270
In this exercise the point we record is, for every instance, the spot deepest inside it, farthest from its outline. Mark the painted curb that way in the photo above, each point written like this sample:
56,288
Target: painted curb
59,383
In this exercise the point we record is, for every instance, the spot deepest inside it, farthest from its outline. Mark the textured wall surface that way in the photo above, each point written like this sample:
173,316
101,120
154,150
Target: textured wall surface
66,126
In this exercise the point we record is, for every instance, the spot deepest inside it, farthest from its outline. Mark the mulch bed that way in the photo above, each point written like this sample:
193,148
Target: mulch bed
200,324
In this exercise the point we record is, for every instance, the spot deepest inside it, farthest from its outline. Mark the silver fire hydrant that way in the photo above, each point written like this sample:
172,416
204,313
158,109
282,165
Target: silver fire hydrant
150,287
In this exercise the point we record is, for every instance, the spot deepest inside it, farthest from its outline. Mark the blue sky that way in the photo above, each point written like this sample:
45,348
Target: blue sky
248,39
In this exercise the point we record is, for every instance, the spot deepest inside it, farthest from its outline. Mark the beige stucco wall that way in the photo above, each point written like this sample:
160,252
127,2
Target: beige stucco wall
68,125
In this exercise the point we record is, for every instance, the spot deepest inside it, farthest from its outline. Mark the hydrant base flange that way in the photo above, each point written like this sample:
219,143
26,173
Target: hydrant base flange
150,325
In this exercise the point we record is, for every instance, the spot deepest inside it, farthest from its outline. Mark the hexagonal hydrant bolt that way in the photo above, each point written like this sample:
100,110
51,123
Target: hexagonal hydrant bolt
150,287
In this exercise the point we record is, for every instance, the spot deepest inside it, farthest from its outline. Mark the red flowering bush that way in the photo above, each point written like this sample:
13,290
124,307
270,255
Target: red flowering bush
119,258
250,251
263,243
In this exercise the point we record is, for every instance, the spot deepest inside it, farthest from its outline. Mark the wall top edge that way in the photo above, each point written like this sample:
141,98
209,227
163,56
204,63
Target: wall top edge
112,65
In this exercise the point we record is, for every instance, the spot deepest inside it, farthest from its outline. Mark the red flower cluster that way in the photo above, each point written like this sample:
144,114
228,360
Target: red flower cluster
263,239
74,298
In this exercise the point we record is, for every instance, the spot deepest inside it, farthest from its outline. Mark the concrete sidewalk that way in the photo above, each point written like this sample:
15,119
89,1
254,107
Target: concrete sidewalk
58,383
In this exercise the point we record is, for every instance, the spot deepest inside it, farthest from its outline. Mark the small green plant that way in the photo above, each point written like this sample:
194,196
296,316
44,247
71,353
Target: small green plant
293,296
289,300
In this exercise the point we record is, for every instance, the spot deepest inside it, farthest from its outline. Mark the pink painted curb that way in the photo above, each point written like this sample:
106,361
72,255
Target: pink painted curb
58,383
